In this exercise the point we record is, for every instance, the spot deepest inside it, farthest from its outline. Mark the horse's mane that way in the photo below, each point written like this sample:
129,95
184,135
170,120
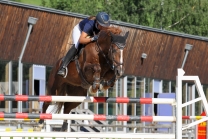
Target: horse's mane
114,30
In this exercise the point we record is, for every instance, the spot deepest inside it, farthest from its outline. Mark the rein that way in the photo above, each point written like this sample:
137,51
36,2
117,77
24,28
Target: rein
108,62
111,52
114,78
85,84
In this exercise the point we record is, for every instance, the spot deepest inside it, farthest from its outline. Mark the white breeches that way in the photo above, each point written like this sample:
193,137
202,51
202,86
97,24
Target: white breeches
76,33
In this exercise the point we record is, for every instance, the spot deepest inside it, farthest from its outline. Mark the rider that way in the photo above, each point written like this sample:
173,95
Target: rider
87,27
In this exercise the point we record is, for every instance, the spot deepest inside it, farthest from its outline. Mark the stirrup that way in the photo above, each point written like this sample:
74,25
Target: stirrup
66,71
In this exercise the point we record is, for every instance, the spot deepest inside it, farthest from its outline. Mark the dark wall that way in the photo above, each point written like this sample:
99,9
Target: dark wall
51,36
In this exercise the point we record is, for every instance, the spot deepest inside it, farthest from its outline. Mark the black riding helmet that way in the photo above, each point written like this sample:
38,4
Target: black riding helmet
103,19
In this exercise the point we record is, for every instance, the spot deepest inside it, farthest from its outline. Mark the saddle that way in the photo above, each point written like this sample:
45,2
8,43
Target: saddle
79,51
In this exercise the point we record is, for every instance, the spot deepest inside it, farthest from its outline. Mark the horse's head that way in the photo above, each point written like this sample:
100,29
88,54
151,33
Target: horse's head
114,43
116,52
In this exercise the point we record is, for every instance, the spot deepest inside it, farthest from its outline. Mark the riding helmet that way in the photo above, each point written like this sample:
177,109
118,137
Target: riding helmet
103,19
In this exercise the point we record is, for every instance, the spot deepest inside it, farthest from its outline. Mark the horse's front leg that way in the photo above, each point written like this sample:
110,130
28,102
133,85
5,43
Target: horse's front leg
106,85
109,81
96,77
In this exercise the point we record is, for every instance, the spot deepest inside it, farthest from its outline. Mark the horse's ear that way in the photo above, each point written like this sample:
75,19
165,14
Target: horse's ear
126,35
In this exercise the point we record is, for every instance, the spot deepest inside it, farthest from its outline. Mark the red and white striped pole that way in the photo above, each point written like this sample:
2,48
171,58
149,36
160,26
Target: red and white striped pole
87,117
87,99
28,116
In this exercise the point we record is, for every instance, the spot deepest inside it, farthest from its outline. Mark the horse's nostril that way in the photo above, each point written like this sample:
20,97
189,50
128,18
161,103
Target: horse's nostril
118,73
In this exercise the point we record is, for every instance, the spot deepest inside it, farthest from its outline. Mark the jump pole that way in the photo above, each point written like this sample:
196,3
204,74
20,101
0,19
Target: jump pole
24,116
87,135
87,99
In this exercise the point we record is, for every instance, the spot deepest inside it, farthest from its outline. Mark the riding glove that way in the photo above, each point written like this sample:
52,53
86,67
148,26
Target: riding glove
95,38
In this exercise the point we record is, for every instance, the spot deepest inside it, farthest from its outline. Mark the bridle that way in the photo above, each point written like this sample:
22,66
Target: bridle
113,63
110,58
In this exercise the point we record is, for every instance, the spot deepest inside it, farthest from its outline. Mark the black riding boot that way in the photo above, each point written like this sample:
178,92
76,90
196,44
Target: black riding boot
70,54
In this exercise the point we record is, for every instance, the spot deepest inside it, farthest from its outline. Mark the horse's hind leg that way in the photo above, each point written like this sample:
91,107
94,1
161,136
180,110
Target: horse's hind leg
51,91
65,123
68,106
41,121
44,108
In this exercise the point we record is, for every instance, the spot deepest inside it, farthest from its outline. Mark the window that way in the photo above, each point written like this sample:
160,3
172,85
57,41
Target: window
27,75
139,92
112,106
165,86
131,93
4,78
173,86
101,107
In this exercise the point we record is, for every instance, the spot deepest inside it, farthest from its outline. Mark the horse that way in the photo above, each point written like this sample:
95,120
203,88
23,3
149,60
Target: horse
96,67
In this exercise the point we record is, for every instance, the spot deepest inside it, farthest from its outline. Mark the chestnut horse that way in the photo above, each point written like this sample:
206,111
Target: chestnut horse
97,66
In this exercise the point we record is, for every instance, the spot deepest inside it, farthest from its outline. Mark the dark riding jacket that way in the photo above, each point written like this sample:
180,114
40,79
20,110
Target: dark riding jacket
88,26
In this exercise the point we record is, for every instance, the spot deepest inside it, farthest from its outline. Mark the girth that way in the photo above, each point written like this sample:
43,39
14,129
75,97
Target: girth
85,84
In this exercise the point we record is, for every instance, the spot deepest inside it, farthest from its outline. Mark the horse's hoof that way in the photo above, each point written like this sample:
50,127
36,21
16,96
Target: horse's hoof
63,130
37,129
91,92
64,127
40,125
102,89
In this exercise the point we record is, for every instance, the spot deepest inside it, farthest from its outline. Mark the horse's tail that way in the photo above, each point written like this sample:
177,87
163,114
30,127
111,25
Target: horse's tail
59,92
59,107
51,80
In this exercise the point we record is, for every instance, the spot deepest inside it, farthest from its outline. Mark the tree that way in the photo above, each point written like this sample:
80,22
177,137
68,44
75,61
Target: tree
77,6
187,16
